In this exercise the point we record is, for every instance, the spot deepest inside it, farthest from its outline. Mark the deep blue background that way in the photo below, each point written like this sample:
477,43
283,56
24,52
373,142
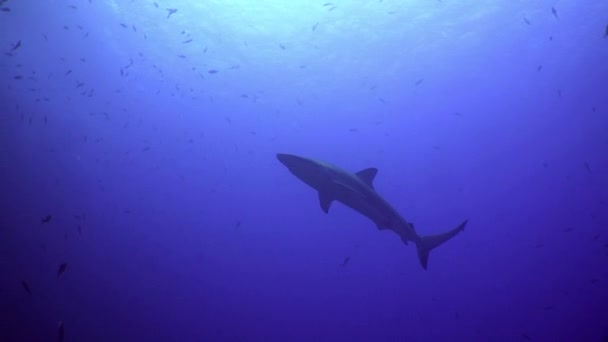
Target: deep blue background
191,230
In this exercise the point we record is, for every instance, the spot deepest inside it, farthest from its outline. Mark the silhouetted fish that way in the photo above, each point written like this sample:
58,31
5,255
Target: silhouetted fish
345,262
60,332
527,21
171,11
212,71
315,26
61,269
16,46
554,11
587,167
47,219
606,33
26,287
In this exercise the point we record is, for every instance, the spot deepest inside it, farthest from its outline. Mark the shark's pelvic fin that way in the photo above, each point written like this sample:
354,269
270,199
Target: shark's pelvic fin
427,243
368,176
325,200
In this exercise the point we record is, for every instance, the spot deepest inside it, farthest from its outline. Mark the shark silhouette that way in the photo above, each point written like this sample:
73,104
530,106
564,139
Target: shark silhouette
355,190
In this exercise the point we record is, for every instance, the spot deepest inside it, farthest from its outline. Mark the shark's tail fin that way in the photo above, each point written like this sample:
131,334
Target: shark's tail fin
427,243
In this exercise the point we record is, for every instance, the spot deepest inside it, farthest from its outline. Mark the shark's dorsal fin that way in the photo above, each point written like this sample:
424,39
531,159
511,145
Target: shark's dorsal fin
325,201
368,176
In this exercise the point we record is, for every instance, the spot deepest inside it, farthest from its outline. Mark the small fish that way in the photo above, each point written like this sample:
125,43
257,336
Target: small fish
61,269
60,332
587,167
345,262
327,4
16,46
123,25
134,28
187,41
539,68
155,5
282,46
73,7
5,9
47,219
419,81
171,11
527,21
68,72
606,33
26,287
554,11
315,26
212,71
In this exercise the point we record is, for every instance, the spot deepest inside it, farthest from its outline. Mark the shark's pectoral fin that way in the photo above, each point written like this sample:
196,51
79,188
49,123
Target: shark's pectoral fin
325,201
368,176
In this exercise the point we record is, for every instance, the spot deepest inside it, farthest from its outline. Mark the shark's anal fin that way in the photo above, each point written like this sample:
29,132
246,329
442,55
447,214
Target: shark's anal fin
325,201
368,176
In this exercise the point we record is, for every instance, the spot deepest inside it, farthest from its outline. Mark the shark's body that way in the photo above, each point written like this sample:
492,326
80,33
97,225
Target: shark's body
356,191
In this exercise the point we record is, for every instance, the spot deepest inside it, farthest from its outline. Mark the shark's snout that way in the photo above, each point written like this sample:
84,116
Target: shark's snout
287,159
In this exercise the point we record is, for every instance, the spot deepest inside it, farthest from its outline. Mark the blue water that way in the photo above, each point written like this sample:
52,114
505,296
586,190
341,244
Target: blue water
137,149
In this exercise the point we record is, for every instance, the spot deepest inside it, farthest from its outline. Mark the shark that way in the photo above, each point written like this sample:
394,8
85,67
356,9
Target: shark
356,191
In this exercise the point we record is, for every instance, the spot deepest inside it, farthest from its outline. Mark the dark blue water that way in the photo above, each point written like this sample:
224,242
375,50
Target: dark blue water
137,149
